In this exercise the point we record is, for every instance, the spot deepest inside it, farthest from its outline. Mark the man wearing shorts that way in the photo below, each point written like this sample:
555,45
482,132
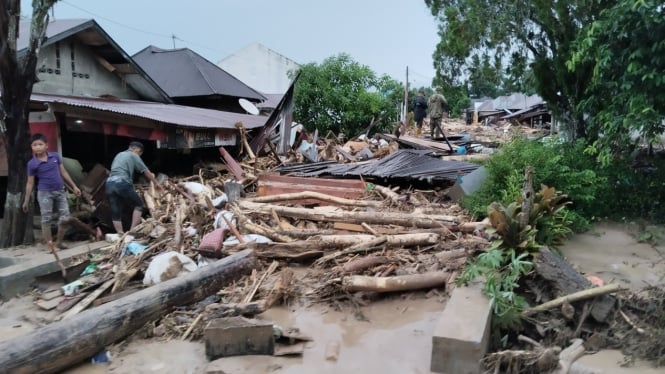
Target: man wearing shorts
120,187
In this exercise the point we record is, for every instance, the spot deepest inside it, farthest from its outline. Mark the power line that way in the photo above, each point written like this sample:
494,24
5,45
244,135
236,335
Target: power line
173,37
115,22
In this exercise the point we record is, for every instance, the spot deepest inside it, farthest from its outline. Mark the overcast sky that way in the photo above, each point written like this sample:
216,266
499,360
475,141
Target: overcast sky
386,35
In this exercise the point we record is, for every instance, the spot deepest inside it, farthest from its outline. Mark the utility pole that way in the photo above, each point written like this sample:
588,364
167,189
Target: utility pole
406,99
173,37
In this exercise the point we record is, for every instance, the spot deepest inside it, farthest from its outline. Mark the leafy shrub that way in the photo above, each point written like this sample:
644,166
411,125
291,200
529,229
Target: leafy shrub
565,166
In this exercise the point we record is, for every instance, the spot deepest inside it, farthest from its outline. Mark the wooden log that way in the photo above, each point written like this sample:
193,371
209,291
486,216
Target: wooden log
389,194
316,196
385,218
54,347
567,281
322,243
363,263
355,283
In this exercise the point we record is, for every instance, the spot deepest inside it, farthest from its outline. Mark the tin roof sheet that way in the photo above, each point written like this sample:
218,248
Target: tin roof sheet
172,114
405,163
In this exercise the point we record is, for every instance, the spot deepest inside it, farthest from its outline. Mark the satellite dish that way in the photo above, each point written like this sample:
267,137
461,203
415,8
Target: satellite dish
248,106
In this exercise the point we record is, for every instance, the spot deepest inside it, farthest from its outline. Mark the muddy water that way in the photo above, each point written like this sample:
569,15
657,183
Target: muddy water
395,338
612,253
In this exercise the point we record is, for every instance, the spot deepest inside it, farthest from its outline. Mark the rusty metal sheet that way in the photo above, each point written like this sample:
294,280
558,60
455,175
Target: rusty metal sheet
275,184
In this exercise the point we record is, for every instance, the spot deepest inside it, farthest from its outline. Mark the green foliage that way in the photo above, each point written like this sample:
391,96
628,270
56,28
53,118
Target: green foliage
545,30
625,49
341,95
557,164
547,221
501,270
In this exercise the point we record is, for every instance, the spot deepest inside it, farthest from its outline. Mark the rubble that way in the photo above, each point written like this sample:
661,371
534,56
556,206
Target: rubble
363,231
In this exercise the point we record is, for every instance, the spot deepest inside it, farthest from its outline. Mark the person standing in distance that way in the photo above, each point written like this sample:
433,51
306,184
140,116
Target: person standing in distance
437,104
420,111
120,187
51,194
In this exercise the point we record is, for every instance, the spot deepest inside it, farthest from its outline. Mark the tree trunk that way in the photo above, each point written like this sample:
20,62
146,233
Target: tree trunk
567,280
318,245
16,80
387,218
355,283
51,348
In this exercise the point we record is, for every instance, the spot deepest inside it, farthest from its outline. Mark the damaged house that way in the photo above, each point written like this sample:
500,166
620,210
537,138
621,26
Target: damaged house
517,108
92,99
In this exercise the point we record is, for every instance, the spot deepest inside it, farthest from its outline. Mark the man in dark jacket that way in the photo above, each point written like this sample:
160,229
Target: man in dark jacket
420,111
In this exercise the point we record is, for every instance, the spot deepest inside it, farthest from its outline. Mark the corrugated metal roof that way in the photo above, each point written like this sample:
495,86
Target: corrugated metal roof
405,163
165,113
516,101
88,29
196,76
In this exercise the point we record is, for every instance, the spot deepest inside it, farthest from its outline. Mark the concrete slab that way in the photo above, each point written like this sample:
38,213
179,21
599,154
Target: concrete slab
235,336
18,277
462,334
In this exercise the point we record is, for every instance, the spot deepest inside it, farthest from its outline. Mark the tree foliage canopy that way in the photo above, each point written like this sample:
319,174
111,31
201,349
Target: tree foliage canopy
541,31
625,46
341,95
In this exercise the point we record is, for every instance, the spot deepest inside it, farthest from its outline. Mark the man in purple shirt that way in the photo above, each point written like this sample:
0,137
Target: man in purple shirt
51,194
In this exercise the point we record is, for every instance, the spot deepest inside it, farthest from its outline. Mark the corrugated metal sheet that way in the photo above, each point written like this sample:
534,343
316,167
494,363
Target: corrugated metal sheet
165,113
405,163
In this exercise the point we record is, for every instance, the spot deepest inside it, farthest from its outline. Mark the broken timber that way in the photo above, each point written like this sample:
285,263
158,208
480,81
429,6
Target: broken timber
387,218
51,348
274,184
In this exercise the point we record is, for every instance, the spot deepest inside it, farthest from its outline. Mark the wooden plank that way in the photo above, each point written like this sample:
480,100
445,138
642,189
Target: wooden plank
235,168
88,299
51,294
273,184
69,302
348,227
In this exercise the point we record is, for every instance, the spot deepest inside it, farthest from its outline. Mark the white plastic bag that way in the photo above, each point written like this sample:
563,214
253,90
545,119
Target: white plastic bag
166,266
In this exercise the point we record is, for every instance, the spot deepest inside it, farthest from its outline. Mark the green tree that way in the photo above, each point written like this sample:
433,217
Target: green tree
341,95
485,76
625,46
17,76
546,29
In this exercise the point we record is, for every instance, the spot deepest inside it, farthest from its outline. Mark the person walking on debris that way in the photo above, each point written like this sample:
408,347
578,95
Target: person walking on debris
420,111
436,104
119,184
51,194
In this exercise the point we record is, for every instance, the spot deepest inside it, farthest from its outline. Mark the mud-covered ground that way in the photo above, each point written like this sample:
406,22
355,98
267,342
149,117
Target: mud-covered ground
394,337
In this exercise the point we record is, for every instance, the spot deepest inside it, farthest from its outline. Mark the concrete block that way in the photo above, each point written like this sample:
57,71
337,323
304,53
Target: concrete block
19,276
462,334
237,336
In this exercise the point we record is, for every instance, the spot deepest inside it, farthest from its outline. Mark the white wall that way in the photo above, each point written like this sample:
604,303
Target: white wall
91,80
260,68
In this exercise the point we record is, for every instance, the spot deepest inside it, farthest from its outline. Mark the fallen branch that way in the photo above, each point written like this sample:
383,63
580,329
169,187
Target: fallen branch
577,296
388,193
355,283
191,327
271,269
